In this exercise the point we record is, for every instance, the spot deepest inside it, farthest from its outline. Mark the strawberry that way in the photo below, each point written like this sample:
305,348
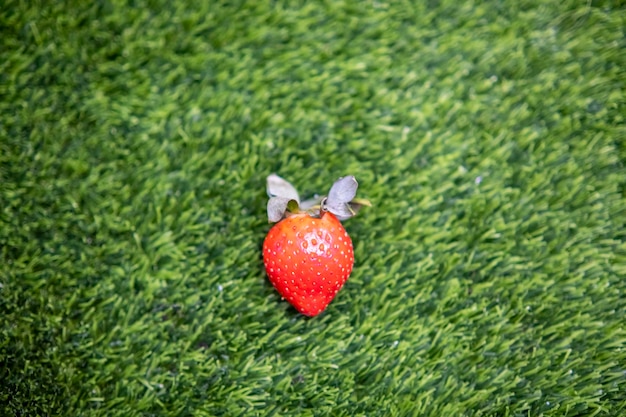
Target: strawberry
308,254
308,260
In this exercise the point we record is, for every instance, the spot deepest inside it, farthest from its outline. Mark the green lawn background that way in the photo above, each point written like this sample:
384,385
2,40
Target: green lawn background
135,138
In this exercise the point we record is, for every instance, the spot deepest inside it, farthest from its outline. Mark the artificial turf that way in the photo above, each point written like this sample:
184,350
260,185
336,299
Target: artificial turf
135,138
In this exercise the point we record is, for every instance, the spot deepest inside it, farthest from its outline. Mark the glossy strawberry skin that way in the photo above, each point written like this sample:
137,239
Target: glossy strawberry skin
308,260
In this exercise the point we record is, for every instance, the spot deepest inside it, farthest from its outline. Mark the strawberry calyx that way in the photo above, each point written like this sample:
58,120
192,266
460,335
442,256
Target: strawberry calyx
285,200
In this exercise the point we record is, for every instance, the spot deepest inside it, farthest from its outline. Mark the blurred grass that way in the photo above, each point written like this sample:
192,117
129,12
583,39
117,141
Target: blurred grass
134,142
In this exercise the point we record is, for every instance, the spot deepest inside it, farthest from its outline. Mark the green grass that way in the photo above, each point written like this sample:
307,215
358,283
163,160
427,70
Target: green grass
134,144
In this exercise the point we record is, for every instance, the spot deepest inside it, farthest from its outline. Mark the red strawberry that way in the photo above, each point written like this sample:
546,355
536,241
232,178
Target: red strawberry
308,256
308,260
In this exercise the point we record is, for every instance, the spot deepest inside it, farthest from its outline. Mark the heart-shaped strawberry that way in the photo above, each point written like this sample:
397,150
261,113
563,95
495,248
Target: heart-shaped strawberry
308,254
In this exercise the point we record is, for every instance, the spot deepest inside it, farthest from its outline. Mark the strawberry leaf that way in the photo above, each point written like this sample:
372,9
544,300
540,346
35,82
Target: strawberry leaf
277,206
343,190
343,211
340,195
279,187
